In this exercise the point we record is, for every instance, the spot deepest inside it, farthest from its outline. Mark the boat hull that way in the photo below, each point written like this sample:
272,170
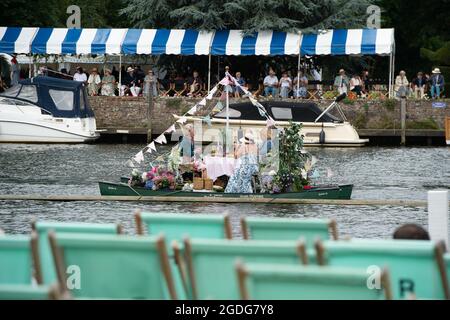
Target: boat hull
29,132
343,192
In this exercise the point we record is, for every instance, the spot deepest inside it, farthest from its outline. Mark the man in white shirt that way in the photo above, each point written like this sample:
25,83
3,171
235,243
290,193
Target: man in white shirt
80,76
270,84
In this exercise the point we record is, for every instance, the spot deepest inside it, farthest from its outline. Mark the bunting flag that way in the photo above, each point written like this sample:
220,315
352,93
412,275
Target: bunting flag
211,93
160,158
182,119
170,129
139,157
161,139
270,122
192,110
207,120
225,81
129,163
151,147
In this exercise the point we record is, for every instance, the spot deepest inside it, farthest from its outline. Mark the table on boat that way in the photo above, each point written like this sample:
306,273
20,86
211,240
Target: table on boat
219,166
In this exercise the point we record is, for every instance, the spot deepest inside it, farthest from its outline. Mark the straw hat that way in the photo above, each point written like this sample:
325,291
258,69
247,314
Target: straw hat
341,70
436,70
247,138
130,69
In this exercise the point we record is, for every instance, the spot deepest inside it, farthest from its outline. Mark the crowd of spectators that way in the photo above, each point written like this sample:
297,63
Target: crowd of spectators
292,84
423,85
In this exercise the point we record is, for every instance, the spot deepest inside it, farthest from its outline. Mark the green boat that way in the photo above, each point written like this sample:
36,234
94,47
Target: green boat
342,192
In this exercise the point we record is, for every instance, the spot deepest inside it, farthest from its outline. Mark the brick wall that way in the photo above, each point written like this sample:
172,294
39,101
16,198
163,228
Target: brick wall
131,112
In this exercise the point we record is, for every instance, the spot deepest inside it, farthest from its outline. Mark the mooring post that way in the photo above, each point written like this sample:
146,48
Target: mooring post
403,120
438,215
149,113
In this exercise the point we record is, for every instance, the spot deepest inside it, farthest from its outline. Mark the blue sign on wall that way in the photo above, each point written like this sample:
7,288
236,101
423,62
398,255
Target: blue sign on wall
439,104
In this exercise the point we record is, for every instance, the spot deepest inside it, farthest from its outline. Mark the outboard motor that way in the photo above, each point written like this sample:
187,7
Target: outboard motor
322,136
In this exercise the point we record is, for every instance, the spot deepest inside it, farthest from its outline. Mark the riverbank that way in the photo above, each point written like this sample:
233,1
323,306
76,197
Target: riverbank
125,119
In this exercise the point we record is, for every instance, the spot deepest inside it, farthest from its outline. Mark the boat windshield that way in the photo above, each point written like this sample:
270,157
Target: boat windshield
13,91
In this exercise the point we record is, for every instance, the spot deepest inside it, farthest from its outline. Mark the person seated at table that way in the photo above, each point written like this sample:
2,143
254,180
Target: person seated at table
195,85
241,81
246,153
285,85
300,90
270,84
356,85
418,86
265,144
401,86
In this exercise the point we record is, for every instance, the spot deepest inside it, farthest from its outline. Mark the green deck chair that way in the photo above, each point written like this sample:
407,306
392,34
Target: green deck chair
416,267
178,226
45,267
30,292
175,228
287,282
289,229
112,266
211,263
16,259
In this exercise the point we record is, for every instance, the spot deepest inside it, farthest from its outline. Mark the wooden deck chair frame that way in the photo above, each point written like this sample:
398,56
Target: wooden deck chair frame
58,255
180,93
301,251
242,274
140,225
332,226
439,250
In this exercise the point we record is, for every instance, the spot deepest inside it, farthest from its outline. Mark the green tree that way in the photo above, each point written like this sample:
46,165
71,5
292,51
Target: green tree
249,15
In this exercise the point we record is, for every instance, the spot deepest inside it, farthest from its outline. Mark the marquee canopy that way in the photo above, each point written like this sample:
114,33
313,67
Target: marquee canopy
192,42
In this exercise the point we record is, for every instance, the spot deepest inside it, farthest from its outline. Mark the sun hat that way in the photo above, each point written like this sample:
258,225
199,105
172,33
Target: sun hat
436,70
129,69
247,138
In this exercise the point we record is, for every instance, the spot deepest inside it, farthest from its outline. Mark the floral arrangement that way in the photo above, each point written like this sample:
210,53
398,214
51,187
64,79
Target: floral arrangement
155,179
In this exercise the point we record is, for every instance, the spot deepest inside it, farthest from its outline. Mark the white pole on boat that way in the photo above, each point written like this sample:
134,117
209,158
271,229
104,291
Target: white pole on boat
298,76
209,73
227,127
120,73
438,215
390,76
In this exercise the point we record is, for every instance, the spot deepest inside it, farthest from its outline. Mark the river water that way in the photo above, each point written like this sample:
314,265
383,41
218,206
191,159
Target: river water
376,172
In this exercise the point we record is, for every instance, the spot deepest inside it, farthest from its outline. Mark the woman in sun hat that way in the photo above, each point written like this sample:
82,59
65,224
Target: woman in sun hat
245,153
108,83
437,83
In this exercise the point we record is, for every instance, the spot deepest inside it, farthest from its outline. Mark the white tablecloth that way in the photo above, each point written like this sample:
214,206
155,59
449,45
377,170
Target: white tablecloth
218,166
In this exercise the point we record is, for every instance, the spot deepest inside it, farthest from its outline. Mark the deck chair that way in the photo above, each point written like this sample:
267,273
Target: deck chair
45,268
416,267
175,228
288,282
211,263
31,292
310,230
178,226
16,259
112,266
180,88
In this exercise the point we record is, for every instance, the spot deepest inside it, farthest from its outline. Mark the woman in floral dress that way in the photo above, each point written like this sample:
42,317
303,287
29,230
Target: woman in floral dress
108,83
241,180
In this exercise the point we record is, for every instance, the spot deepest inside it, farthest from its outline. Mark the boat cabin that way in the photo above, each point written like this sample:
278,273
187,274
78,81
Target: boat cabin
279,111
57,97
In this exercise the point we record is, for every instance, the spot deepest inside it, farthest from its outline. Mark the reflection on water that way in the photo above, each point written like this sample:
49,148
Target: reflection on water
377,173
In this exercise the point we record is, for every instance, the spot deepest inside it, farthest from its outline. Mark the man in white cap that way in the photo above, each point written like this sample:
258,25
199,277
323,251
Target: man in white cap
437,83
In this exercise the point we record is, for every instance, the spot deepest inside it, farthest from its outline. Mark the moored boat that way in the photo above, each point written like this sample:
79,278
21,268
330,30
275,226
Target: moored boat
343,192
46,110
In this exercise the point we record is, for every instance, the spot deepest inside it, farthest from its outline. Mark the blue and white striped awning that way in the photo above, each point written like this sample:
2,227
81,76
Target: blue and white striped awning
193,42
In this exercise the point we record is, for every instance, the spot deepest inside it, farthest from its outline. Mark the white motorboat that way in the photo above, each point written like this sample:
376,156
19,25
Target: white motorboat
319,128
46,110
